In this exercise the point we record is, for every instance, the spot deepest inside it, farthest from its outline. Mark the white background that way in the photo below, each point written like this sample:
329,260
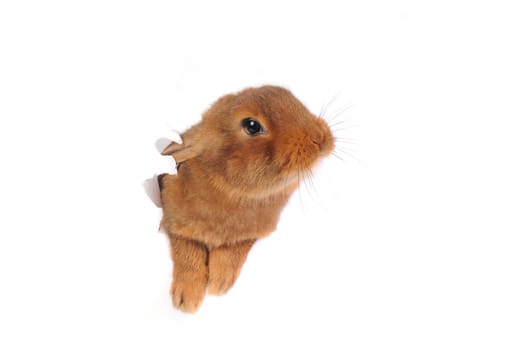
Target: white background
421,247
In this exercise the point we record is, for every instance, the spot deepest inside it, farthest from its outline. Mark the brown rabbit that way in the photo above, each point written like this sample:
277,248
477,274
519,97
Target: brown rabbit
237,169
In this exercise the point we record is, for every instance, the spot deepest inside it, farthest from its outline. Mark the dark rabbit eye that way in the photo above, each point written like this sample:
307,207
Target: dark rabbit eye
252,127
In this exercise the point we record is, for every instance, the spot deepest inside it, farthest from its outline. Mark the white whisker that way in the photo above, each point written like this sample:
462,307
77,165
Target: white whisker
341,152
324,108
338,113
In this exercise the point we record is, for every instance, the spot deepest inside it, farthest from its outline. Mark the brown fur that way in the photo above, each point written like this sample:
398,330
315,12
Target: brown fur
231,187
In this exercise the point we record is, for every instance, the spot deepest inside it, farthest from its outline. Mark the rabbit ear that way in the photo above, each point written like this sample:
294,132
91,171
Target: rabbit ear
171,148
180,152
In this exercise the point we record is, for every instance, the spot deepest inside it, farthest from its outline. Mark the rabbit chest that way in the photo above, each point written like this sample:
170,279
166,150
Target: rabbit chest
195,209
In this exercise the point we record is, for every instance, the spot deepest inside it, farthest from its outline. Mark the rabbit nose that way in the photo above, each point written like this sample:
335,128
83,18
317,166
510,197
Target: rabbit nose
324,142
319,145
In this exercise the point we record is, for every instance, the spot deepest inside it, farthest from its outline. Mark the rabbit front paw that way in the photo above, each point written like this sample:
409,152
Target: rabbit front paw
188,295
225,264
189,278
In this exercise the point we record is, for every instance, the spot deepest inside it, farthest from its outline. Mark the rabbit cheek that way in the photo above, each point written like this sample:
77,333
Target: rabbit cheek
244,172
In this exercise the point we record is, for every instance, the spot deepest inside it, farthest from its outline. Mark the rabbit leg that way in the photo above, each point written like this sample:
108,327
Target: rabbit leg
190,274
225,264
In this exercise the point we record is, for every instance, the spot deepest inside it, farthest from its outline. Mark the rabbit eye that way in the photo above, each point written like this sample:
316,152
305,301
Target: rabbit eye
252,127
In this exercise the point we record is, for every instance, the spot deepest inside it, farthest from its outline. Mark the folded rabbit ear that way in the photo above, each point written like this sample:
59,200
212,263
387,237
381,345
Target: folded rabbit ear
180,152
172,148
